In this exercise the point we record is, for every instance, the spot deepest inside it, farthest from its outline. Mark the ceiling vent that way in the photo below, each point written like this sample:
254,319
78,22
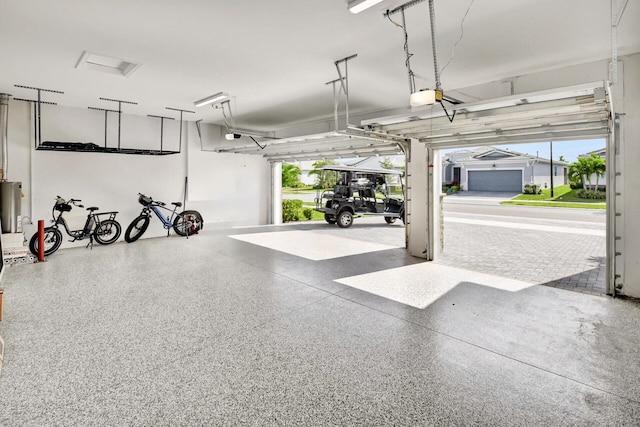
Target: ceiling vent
107,64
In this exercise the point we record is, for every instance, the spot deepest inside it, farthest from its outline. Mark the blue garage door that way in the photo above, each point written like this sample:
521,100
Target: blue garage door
496,180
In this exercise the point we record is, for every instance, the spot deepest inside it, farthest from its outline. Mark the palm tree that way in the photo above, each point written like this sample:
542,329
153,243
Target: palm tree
598,167
326,179
386,163
580,172
584,168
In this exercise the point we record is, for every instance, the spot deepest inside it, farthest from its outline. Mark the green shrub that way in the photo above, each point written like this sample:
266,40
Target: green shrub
455,188
532,189
307,212
290,209
591,194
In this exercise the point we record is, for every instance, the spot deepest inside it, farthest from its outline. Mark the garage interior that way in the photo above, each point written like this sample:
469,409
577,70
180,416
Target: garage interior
256,322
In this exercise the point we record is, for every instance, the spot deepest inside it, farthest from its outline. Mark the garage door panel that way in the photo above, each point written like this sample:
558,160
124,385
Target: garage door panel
495,180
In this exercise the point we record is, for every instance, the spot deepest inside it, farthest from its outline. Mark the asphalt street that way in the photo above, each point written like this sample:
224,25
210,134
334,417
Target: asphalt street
490,205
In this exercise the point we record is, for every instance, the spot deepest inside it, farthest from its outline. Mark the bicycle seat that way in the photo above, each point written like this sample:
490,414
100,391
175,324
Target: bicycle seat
177,204
92,208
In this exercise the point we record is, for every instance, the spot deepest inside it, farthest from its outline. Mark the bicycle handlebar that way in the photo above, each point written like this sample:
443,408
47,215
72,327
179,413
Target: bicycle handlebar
75,202
152,202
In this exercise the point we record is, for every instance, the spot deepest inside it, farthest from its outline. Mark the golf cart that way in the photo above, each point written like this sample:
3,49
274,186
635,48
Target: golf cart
360,192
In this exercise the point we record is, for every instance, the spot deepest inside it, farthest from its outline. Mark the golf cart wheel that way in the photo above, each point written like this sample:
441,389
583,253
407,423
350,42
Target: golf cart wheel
345,219
331,219
389,219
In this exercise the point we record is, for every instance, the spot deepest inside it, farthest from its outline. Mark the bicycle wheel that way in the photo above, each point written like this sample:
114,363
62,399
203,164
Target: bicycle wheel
187,223
52,241
198,222
107,232
137,228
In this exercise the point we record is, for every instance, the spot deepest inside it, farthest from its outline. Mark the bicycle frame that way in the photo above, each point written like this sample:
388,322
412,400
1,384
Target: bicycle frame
184,223
96,228
167,222
93,220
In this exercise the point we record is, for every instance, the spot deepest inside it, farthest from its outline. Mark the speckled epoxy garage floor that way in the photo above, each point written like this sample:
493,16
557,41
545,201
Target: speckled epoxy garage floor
220,330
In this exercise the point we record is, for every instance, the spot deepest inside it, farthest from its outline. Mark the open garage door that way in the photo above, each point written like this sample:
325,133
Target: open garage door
352,142
499,180
575,112
571,113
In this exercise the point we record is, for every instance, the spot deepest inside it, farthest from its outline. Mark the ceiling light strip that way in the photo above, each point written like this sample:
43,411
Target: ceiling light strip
357,6
213,99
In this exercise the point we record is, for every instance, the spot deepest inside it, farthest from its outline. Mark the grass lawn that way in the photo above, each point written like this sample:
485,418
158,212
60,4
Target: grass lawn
299,190
546,194
563,197
316,215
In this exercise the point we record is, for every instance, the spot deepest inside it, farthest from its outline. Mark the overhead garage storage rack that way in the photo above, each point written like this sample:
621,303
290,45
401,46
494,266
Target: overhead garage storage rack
574,112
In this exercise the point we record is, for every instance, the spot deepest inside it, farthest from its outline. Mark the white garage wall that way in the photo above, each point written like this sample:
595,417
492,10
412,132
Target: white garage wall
228,189
112,181
629,203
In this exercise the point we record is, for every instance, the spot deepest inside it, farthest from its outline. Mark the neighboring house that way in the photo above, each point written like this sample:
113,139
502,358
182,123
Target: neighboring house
305,166
495,169
602,181
398,162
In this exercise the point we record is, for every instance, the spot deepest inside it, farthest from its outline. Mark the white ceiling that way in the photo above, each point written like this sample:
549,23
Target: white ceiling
275,56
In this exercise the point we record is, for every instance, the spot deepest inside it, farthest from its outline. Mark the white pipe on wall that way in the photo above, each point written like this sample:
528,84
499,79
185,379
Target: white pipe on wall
4,141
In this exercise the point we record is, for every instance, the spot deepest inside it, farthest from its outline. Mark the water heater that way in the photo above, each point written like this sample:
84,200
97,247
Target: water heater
10,206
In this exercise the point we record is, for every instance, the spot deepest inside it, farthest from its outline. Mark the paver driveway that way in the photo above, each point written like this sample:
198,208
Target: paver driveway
562,254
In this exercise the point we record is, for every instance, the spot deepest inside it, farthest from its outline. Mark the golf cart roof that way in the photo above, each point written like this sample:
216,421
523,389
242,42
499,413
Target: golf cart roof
354,169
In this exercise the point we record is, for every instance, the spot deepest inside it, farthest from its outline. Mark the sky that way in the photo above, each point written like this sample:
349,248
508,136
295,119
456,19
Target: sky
569,149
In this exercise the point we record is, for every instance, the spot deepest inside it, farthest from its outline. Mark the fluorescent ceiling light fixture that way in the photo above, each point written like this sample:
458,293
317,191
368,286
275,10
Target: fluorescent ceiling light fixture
213,99
357,6
425,97
108,64
232,136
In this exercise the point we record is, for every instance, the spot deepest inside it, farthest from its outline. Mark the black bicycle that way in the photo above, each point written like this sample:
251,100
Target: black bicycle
104,231
184,223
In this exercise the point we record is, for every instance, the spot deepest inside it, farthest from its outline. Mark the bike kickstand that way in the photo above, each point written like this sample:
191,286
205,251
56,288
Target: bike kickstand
90,243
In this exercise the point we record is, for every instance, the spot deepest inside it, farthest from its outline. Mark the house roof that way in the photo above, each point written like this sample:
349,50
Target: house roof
398,162
374,162
344,168
493,154
602,152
